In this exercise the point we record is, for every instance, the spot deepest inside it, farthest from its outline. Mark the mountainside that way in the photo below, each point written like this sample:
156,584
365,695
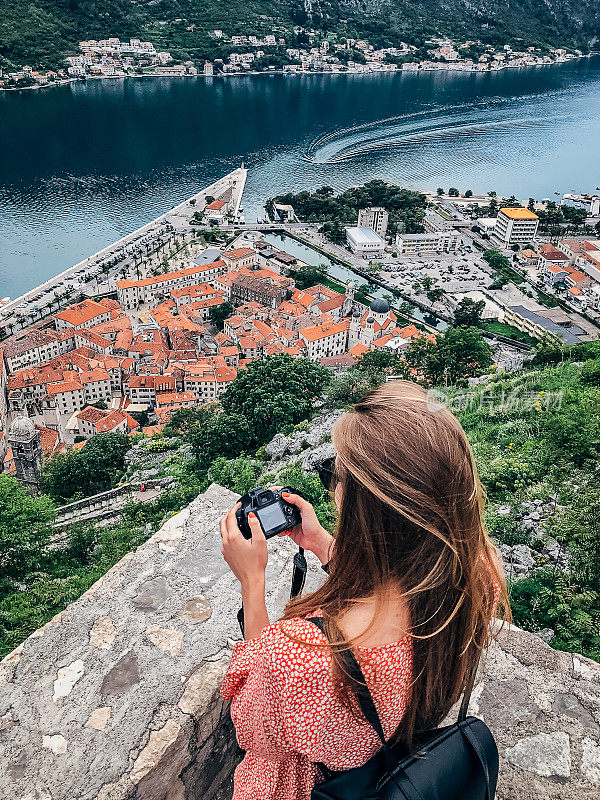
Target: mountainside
41,34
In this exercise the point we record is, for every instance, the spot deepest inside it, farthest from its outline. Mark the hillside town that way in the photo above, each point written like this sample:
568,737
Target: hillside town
151,335
113,58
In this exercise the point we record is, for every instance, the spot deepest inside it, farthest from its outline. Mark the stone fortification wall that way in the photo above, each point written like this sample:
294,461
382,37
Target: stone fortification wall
117,697
107,503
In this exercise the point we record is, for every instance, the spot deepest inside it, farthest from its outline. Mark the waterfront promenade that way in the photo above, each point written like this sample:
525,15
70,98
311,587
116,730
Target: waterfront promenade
158,230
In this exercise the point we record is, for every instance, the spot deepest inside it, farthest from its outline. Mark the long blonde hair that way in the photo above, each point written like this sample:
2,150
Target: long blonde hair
411,516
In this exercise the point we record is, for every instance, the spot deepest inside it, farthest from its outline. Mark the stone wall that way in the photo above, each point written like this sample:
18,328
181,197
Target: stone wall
110,501
117,697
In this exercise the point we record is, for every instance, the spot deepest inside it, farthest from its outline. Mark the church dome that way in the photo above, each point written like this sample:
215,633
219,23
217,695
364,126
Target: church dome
21,428
356,313
370,320
380,306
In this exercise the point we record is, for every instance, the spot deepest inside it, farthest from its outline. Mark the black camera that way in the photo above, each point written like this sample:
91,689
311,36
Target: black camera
273,512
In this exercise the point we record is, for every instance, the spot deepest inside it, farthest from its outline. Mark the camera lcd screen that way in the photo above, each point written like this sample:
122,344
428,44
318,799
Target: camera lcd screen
271,516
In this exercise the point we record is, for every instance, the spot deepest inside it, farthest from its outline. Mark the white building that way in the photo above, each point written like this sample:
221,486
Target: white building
590,203
131,294
594,297
486,224
515,226
438,242
375,218
323,341
82,315
365,242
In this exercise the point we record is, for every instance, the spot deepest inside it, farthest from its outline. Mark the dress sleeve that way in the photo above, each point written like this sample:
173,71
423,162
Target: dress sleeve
280,691
256,705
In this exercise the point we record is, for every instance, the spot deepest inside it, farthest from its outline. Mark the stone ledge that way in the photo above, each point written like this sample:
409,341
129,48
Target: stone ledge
117,697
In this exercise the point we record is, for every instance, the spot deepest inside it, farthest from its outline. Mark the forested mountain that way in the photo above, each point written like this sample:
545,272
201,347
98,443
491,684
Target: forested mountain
42,32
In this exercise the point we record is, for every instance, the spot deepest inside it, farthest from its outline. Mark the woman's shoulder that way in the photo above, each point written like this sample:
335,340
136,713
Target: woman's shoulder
300,631
296,641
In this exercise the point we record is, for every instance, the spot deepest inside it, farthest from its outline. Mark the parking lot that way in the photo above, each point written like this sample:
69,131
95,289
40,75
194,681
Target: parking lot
453,272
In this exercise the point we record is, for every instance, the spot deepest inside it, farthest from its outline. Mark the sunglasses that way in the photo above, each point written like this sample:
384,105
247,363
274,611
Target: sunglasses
326,471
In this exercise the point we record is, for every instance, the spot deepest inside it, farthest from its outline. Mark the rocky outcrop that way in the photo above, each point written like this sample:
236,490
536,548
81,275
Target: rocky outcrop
150,458
309,443
117,697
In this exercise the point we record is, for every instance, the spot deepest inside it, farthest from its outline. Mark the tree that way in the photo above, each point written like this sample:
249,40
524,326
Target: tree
275,392
334,231
531,203
590,373
500,265
240,475
309,275
435,295
440,191
376,364
213,434
467,313
95,468
453,191
218,314
456,354
469,193
25,528
348,388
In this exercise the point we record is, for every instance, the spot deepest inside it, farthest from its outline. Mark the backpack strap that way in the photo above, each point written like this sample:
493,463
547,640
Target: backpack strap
361,690
364,697
464,706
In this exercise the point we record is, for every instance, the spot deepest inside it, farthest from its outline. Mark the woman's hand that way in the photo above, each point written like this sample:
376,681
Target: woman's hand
247,558
310,535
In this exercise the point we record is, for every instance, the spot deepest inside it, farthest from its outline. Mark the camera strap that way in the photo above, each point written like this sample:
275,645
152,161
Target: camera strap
299,568
298,573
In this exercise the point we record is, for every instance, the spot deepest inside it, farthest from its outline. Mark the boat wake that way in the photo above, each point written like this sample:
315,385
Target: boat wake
432,128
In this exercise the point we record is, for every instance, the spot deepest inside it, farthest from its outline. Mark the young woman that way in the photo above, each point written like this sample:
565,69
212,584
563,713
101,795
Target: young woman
413,584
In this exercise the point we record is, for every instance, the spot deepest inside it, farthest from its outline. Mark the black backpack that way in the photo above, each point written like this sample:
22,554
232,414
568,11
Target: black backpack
457,762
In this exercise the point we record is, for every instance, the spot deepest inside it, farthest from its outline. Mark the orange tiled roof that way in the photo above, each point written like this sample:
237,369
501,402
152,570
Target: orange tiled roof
150,430
90,414
316,332
110,421
80,313
358,349
128,283
518,213
174,398
64,386
240,252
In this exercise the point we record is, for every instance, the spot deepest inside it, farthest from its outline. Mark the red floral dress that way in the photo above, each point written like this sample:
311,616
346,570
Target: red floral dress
287,716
